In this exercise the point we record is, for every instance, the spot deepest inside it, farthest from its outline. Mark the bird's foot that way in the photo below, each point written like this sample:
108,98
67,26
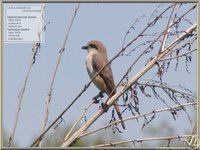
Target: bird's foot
97,98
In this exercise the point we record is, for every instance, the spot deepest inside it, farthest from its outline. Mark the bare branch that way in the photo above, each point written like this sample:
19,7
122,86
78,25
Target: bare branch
165,32
139,116
180,55
75,124
167,138
165,86
133,28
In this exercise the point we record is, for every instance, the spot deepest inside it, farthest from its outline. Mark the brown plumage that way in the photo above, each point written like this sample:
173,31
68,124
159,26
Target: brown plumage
96,59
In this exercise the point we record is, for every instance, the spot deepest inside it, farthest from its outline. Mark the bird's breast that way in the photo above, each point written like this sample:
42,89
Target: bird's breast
98,81
89,65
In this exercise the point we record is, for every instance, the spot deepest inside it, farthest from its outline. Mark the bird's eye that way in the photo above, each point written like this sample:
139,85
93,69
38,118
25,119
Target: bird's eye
93,46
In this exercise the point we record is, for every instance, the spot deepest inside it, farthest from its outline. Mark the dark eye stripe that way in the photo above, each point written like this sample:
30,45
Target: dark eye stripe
93,46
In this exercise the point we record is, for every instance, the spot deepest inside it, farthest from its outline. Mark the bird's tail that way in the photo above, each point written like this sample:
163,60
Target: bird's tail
119,114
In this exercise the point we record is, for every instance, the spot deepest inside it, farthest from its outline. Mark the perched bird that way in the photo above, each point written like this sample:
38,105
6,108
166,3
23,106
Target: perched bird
96,59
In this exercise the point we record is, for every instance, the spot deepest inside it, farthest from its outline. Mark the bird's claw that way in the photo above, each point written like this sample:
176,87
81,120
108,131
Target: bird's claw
97,98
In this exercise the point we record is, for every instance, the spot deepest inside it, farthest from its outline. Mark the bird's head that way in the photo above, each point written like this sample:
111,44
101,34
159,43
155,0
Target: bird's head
97,46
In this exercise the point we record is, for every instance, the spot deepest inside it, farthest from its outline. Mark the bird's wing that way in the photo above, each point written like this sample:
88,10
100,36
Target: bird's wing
106,74
98,62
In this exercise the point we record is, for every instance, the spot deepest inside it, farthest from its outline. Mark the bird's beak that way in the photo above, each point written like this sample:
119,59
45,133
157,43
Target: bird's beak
85,47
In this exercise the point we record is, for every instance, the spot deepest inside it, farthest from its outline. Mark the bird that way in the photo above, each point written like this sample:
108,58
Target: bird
104,81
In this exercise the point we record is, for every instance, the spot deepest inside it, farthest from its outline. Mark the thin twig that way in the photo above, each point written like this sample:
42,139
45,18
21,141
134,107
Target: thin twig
178,40
81,117
162,85
189,42
168,138
138,116
131,27
35,48
48,100
178,56
166,31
